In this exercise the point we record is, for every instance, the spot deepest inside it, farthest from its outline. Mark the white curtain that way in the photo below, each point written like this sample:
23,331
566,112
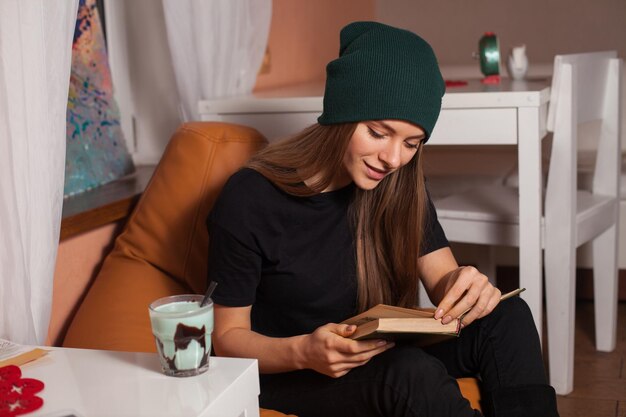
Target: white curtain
217,47
35,59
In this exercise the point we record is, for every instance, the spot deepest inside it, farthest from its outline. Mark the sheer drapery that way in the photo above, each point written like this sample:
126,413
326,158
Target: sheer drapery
35,59
217,47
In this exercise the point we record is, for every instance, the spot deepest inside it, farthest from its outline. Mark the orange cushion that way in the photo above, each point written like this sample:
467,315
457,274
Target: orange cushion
470,390
272,413
167,228
164,246
114,315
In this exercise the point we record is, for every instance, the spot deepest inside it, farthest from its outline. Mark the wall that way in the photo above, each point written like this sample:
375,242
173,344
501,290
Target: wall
304,37
547,28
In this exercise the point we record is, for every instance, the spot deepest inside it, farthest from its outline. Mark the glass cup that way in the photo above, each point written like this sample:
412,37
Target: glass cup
182,332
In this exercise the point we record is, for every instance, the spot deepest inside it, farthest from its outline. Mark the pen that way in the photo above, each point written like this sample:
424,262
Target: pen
512,293
503,297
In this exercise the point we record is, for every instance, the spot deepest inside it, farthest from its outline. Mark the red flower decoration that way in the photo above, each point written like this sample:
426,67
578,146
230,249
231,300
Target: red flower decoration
14,405
17,394
24,387
10,373
456,83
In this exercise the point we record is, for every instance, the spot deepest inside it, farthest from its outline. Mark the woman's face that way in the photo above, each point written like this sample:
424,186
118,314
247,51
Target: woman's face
376,149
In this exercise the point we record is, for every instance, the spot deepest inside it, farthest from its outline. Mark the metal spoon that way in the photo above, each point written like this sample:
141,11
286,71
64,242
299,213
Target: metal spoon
209,292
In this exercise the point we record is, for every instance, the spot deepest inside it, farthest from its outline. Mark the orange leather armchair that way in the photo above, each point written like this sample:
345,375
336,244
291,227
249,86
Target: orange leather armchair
163,247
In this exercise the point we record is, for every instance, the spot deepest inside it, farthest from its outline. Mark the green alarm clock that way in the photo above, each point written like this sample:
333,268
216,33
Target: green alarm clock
489,55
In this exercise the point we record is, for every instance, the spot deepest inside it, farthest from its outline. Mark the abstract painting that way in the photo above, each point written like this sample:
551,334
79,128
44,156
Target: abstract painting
96,150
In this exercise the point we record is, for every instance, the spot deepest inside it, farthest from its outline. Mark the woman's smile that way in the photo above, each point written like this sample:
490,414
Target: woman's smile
376,173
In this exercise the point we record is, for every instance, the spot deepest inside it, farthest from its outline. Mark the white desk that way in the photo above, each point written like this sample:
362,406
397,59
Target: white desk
512,113
94,383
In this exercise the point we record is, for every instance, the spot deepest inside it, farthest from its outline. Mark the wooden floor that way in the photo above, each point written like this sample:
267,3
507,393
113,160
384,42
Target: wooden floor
599,377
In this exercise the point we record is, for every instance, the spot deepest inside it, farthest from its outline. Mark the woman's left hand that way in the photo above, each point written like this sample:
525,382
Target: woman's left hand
467,289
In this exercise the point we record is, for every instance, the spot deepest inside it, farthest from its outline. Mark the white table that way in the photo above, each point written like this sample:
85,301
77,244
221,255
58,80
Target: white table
92,383
511,113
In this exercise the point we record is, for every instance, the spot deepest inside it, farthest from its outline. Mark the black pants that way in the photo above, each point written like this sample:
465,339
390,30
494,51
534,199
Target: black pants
502,349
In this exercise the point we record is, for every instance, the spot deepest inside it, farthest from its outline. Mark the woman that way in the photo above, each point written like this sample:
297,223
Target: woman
337,219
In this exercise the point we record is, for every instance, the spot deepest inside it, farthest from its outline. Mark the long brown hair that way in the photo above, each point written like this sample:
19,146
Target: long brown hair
388,220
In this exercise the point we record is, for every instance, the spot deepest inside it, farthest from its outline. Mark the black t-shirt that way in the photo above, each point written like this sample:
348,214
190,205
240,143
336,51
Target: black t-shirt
291,258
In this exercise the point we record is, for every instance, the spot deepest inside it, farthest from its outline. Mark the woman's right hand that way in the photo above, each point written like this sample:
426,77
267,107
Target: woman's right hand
329,351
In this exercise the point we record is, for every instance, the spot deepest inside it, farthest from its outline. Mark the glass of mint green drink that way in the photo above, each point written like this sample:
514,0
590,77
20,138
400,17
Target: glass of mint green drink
182,332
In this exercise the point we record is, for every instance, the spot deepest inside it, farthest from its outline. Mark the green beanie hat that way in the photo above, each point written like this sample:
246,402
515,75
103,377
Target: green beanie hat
383,73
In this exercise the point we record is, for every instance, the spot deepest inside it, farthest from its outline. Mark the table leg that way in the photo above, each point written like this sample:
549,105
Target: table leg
560,260
530,203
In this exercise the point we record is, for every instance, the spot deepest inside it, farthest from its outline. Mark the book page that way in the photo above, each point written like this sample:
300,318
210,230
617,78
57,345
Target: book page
9,349
15,354
387,311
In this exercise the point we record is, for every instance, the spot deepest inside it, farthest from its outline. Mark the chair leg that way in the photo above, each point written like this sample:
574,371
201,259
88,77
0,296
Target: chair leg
560,268
605,282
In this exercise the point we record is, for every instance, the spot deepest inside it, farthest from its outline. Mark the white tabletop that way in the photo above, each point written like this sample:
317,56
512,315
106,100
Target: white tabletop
308,97
91,383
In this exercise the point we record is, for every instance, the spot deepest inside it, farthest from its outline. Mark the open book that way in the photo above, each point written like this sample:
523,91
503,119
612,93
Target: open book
388,322
419,324
15,354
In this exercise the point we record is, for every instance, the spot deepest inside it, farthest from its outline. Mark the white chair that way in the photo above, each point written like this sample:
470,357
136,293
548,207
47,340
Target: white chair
585,87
